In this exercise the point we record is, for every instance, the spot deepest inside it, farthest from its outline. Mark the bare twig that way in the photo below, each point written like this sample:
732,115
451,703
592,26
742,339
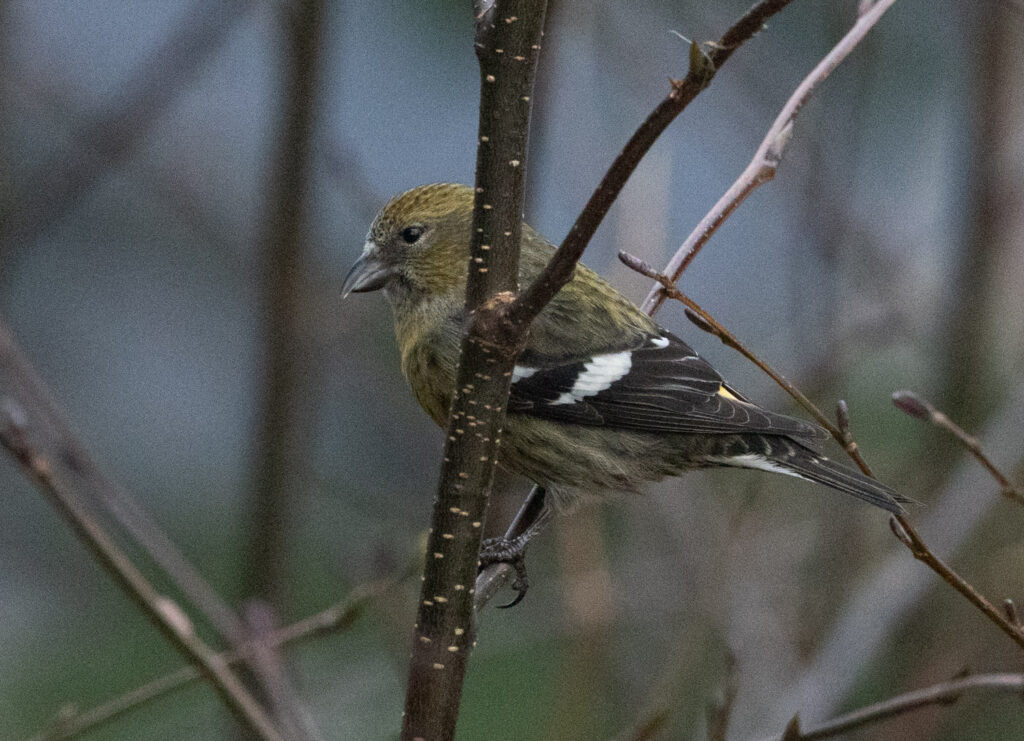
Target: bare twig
50,437
916,406
766,160
271,684
912,540
163,612
901,527
880,604
709,324
942,693
703,66
559,271
330,621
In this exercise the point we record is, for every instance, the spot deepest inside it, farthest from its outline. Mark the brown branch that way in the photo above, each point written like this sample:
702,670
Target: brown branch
901,527
519,313
770,150
709,324
766,159
281,452
51,437
163,612
330,621
508,35
916,406
943,693
703,66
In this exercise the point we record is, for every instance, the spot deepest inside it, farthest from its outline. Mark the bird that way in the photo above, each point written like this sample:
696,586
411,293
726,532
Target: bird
602,399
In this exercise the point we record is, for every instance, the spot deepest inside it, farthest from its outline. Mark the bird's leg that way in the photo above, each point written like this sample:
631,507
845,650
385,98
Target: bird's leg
510,548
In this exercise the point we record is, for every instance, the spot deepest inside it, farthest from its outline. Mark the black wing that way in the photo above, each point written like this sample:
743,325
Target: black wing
658,385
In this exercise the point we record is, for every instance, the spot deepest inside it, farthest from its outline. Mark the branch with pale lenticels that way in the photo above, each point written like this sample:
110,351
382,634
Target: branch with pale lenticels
507,44
518,314
508,35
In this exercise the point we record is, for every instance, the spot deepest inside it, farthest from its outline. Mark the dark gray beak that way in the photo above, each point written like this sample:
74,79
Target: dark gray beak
366,275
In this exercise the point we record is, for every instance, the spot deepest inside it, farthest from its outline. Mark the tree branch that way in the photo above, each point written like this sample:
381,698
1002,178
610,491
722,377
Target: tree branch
51,438
334,619
943,693
519,313
901,527
703,67
508,47
916,406
768,155
163,612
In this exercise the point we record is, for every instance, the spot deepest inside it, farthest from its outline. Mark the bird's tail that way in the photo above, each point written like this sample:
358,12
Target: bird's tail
782,455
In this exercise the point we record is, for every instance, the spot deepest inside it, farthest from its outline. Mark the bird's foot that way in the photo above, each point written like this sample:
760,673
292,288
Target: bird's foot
513,552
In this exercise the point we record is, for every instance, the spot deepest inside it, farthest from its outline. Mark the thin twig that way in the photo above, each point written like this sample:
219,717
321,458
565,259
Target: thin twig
943,693
333,620
50,436
709,324
163,612
766,160
703,66
907,535
901,527
920,408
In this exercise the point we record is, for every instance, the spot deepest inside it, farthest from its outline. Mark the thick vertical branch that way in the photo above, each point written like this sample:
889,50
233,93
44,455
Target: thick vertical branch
280,449
508,47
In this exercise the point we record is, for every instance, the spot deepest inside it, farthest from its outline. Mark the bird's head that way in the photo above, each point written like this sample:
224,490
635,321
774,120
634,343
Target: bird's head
418,245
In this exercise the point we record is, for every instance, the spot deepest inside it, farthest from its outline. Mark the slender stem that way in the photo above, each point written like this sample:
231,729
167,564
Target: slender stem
919,407
943,693
703,67
163,612
334,619
766,159
900,525
52,438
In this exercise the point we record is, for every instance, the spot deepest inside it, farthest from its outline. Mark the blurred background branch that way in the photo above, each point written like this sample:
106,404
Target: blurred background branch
139,288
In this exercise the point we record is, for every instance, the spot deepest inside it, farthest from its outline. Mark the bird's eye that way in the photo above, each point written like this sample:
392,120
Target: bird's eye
411,234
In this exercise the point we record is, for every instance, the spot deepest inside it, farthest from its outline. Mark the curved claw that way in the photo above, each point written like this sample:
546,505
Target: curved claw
512,552
520,584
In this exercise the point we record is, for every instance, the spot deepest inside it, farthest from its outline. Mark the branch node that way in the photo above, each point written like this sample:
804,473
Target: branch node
900,532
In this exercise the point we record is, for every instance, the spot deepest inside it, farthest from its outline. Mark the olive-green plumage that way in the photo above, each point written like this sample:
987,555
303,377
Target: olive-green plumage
603,399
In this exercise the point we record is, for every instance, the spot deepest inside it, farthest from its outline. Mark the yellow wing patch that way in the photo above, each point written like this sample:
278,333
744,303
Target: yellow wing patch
723,391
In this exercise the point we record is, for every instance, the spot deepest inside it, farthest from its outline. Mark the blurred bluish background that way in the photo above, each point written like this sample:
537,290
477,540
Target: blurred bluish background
140,147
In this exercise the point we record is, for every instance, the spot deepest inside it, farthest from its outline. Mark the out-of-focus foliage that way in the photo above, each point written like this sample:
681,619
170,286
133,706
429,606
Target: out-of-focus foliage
135,290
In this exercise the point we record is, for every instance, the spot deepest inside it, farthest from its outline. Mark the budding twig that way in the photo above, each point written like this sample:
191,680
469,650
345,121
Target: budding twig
920,408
